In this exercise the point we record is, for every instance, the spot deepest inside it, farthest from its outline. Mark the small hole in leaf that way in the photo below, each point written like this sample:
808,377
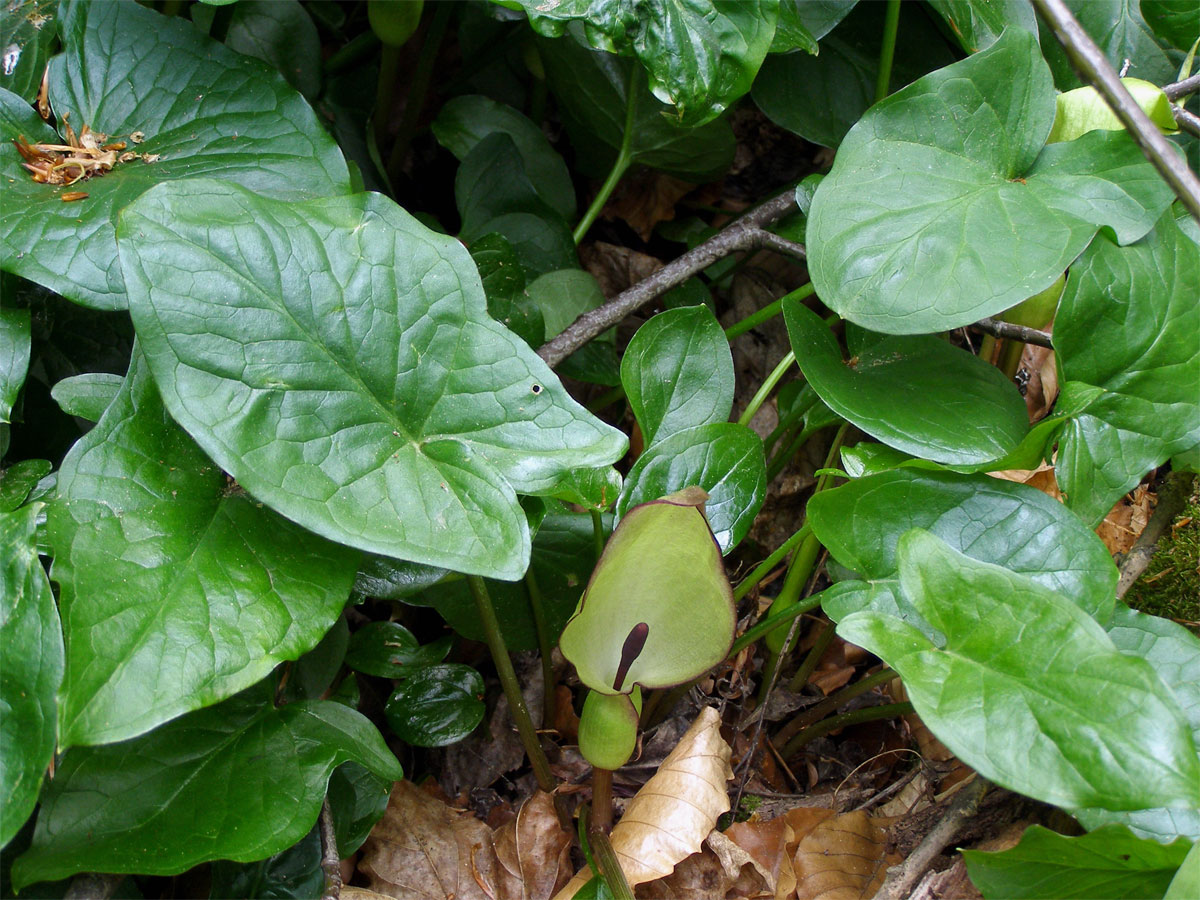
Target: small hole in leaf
537,389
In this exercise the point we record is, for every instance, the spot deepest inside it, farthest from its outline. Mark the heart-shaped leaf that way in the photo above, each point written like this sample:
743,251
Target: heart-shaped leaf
701,55
916,393
33,665
725,459
1126,341
411,444
592,87
203,110
1109,862
1010,686
241,780
995,521
184,590
1174,652
678,373
658,609
436,705
14,357
942,207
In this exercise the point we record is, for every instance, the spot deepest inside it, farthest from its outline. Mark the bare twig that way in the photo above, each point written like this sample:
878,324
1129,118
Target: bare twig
744,234
330,862
92,886
1177,89
1172,497
1187,121
900,879
1089,61
997,328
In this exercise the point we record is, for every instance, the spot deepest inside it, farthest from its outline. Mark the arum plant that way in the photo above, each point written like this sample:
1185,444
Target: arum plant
658,611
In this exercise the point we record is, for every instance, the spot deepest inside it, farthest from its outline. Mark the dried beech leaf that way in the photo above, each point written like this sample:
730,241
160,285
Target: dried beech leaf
423,849
843,858
675,810
533,851
357,893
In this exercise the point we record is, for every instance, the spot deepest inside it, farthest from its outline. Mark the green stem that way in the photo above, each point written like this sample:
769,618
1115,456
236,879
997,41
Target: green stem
621,163
419,87
866,714
774,620
512,687
764,390
545,647
609,866
832,703
1010,358
385,87
769,311
747,584
597,532
780,460
602,810
798,572
794,416
824,639
888,51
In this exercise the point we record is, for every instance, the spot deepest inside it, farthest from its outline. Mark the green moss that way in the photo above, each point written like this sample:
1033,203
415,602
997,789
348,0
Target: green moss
1170,586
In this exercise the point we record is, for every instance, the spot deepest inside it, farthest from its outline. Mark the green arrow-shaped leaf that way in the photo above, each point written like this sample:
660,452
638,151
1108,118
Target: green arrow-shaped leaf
360,389
203,109
178,590
241,780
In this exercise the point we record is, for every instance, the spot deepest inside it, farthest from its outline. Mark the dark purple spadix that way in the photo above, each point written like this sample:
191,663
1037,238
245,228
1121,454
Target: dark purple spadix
630,650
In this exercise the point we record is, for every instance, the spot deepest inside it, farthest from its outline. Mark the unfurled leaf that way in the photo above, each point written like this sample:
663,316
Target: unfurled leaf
202,109
1084,109
658,609
916,393
87,395
1107,864
412,444
943,207
178,590
669,818
678,373
241,781
701,55
1010,684
1125,336
725,459
33,665
436,705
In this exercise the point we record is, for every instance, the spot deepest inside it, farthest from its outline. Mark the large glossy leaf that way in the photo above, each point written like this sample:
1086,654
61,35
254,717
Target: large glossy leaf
658,609
14,357
279,32
942,207
1126,341
33,665
1174,652
977,23
465,121
995,521
178,590
1012,681
436,705
678,373
1118,28
701,55
725,459
204,110
811,20
361,390
916,393
240,781
1172,20
820,97
27,32
591,87
1108,863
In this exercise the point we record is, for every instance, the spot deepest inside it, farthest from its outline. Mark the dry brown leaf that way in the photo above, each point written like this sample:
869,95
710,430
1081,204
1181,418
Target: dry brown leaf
534,852
616,268
422,848
645,199
357,893
1038,374
843,858
1126,520
675,810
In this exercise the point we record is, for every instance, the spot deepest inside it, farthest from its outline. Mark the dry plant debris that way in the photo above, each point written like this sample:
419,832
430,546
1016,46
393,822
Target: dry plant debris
85,155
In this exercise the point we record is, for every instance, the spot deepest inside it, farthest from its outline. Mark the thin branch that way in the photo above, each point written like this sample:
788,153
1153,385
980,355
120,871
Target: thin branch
1187,121
768,240
997,328
1094,68
1177,89
744,234
330,862
1172,497
901,879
